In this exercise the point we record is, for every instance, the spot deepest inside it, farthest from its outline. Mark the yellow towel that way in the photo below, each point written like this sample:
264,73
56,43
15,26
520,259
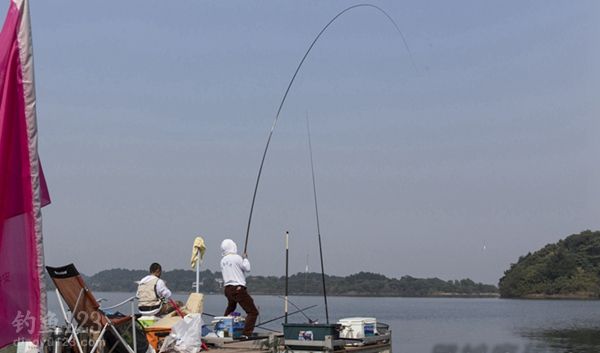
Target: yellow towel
198,251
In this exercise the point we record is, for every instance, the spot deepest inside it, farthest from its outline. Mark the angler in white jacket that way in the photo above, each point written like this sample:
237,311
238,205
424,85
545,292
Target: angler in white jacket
234,269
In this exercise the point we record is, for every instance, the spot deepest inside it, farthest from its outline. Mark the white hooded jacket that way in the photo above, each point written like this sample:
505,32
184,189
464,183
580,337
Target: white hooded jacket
233,267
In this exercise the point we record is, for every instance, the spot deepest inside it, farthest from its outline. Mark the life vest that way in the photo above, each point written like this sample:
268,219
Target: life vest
146,293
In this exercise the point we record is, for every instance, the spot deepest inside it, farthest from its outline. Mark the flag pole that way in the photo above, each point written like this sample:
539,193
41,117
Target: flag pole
198,276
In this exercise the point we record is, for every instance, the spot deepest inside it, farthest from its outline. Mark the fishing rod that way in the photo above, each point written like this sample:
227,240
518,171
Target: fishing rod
296,306
301,311
312,169
282,316
262,162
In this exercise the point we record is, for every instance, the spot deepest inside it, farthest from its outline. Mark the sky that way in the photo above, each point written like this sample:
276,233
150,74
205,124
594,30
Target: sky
153,116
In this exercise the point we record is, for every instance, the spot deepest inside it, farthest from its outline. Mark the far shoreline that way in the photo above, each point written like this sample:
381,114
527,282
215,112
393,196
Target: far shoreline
531,297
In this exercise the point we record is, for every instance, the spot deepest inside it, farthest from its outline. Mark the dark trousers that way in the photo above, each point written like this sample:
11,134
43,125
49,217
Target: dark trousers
239,294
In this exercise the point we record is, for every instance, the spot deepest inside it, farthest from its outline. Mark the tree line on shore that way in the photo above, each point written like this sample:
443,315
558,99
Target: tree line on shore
569,268
310,283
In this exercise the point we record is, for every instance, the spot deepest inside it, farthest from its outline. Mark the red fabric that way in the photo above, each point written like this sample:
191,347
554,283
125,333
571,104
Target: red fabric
20,286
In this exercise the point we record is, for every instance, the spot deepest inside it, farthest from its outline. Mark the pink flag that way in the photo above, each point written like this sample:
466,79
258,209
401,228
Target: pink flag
23,189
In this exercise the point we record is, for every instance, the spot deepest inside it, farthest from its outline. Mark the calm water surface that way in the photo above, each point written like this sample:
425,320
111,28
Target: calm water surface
442,325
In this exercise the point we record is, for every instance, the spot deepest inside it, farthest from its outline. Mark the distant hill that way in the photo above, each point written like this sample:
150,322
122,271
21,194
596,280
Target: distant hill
567,269
360,284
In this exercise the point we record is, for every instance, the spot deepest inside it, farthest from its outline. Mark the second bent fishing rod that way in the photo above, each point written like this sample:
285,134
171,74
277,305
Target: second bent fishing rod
314,184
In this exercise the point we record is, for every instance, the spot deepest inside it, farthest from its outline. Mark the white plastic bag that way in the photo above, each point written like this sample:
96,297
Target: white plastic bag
186,335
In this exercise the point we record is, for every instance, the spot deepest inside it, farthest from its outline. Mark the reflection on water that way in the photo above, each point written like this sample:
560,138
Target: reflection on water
580,340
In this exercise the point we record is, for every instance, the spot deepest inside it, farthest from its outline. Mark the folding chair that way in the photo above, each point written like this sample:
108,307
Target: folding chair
85,310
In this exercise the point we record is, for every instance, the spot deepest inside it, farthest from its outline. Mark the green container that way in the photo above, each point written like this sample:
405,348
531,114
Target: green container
311,332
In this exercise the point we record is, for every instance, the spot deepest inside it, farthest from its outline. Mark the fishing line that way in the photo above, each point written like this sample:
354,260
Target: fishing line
262,162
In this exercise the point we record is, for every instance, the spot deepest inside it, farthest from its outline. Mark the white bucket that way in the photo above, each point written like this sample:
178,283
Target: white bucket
358,327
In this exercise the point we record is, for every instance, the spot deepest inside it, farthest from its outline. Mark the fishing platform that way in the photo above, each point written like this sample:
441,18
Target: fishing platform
224,335
273,342
276,342
356,334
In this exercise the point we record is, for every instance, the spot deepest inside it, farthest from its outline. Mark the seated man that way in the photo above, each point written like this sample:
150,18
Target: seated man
153,293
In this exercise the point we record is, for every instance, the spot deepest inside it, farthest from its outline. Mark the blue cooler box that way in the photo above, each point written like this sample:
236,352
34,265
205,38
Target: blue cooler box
229,326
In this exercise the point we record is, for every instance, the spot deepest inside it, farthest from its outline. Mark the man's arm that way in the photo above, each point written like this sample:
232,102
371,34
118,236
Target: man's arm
245,263
162,290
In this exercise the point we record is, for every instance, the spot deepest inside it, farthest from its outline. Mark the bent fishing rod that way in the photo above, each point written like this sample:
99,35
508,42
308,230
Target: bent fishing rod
289,86
314,184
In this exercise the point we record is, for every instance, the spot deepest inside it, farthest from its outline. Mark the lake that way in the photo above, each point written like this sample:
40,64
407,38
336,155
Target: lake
441,325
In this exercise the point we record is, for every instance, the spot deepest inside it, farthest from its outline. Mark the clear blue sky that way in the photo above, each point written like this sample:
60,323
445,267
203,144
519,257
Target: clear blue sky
153,116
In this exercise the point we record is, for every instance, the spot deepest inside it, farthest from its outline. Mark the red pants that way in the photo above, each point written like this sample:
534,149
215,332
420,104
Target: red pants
239,294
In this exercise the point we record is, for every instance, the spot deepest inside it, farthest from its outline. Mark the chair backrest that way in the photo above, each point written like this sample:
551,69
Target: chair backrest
79,299
195,303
